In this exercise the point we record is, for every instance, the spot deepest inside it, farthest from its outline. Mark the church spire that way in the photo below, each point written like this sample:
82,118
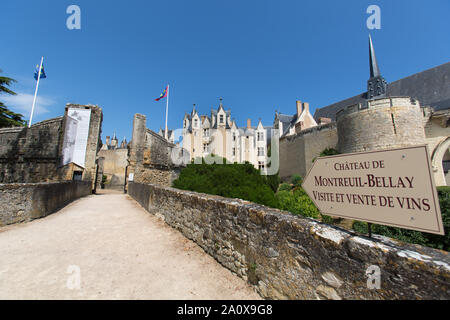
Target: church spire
374,69
376,85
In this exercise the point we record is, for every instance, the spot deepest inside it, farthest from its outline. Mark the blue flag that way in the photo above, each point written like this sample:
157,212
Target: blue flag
43,76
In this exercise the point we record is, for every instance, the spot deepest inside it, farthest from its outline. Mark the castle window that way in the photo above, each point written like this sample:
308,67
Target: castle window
185,123
77,175
260,152
234,136
196,123
234,152
261,165
260,136
221,118
205,148
206,132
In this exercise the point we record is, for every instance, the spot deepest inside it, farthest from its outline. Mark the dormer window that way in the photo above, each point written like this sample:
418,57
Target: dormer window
185,123
221,118
196,123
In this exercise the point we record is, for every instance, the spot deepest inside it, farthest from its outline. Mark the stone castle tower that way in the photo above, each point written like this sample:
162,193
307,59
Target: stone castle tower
381,122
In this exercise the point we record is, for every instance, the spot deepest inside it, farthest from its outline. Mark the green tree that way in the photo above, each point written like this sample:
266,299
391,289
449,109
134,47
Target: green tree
7,117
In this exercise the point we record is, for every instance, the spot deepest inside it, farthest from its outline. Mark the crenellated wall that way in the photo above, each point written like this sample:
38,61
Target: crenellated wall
290,257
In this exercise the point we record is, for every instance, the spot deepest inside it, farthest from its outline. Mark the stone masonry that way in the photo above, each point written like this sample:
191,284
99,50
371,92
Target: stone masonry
150,155
24,202
290,257
31,155
386,123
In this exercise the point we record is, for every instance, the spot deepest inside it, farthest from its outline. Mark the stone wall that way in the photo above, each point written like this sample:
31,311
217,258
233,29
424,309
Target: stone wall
297,151
437,133
150,156
381,124
28,201
289,257
114,166
94,142
31,155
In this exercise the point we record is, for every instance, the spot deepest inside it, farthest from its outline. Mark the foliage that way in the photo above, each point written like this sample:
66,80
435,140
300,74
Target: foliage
7,117
417,237
297,202
273,181
228,180
296,180
327,152
285,187
245,182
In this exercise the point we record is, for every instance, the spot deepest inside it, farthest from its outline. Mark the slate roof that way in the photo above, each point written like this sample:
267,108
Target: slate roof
287,121
431,87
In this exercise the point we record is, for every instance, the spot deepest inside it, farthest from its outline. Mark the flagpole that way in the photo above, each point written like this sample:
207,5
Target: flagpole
35,92
166,135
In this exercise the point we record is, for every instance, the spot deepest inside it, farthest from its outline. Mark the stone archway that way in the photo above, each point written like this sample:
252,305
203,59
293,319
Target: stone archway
440,159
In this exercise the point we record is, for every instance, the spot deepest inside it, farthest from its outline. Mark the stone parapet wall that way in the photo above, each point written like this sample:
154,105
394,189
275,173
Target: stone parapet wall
21,202
289,257
159,176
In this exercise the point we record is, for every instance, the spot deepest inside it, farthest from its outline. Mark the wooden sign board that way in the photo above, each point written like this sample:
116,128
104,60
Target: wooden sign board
392,187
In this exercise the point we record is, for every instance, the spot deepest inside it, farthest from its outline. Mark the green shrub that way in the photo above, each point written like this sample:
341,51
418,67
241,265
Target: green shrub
297,202
296,180
329,152
241,181
273,181
285,187
417,237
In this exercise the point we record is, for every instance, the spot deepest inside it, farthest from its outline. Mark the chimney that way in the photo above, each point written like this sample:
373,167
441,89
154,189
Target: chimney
299,108
107,140
249,123
306,106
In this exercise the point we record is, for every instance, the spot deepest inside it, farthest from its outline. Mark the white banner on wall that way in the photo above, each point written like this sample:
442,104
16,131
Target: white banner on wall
76,136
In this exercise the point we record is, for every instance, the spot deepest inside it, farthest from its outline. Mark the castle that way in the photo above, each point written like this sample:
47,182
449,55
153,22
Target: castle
113,144
411,111
219,135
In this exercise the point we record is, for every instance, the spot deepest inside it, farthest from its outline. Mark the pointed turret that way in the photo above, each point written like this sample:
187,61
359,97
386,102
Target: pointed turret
376,85
374,69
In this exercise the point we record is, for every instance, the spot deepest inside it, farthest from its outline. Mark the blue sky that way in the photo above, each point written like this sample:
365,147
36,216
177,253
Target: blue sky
260,56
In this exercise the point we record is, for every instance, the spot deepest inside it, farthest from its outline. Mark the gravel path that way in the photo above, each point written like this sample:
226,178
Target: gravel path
108,247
